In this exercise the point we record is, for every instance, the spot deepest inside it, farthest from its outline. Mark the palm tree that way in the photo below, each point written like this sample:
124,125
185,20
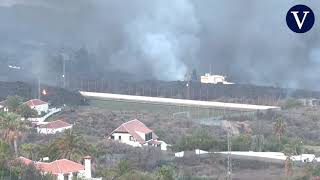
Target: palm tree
26,112
70,146
289,151
279,129
13,103
13,126
28,150
5,153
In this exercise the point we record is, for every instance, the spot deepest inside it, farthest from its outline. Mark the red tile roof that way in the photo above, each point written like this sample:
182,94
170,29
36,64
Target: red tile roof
63,166
134,126
3,103
35,102
55,125
60,166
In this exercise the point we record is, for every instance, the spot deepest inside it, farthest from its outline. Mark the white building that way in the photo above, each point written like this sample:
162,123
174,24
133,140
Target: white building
214,79
136,134
53,127
3,106
64,169
38,105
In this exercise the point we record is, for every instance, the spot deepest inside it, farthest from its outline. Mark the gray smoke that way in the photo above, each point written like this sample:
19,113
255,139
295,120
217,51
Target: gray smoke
159,38
246,40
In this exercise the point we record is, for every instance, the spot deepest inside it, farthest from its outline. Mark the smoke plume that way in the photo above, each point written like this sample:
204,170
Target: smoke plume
248,41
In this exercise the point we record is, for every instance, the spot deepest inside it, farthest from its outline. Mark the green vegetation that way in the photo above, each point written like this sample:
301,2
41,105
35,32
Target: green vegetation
291,103
279,129
13,103
10,168
26,112
165,173
12,125
125,170
200,139
242,143
191,111
69,146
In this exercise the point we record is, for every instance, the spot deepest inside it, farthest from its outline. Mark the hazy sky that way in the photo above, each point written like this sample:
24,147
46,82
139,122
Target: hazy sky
246,40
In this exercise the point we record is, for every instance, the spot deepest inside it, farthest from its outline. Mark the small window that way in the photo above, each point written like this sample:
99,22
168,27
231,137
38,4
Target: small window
112,137
131,138
148,136
119,138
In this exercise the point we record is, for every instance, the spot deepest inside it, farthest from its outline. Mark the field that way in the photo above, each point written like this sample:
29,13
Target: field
195,113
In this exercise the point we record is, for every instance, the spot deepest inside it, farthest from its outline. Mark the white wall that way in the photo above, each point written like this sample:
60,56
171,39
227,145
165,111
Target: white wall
41,119
60,177
177,101
87,168
52,131
125,138
142,135
41,108
163,146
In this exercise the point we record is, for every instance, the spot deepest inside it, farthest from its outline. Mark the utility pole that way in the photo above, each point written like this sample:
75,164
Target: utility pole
188,90
229,168
64,72
65,58
39,87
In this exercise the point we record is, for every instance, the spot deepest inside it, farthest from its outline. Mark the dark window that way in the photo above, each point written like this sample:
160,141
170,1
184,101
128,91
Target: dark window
119,138
112,137
131,138
148,136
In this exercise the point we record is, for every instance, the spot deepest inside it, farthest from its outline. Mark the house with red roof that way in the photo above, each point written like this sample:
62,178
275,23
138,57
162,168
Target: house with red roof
53,127
38,105
136,134
63,168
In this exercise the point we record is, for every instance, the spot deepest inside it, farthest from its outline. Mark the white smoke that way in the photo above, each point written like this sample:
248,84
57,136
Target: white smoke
161,36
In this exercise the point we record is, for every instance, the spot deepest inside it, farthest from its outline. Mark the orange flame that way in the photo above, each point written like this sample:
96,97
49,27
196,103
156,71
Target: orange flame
44,92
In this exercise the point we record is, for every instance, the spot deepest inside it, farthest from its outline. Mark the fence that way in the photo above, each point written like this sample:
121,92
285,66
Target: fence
42,119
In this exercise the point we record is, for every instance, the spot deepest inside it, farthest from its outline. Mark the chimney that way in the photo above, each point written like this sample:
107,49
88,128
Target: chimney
87,167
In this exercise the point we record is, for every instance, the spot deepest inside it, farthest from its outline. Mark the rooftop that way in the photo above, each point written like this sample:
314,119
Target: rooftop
55,125
35,102
63,166
133,127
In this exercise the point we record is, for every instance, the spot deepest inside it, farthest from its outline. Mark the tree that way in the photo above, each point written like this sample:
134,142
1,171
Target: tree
5,153
165,173
289,150
13,126
70,146
242,143
19,170
28,150
120,171
13,102
122,168
200,139
279,129
26,112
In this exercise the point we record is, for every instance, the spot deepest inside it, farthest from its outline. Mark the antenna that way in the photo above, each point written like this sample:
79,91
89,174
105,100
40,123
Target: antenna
39,87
